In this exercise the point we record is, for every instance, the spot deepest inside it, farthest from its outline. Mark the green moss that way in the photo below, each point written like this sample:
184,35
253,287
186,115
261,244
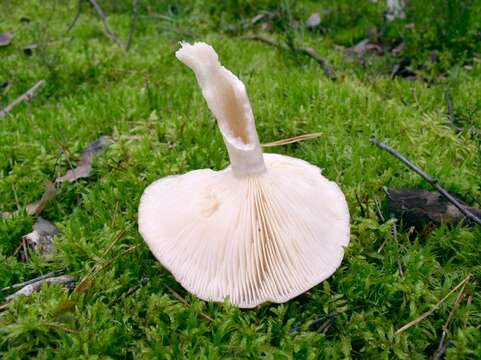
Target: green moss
150,104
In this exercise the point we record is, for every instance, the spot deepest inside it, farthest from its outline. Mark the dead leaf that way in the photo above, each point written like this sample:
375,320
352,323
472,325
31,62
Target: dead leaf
415,207
5,38
37,207
313,21
365,46
84,165
83,169
40,240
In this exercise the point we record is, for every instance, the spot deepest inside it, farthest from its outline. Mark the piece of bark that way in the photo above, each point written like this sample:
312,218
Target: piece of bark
63,280
418,208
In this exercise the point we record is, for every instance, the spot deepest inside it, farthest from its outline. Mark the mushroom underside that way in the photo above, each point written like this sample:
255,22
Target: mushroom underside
268,237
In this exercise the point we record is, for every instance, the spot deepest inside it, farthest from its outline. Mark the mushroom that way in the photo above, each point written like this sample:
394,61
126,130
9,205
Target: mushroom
267,228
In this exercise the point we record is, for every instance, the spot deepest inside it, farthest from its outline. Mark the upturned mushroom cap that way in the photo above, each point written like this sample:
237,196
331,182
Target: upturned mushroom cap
267,228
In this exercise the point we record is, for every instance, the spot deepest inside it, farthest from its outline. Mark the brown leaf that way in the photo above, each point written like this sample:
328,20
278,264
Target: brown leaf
37,207
5,38
83,169
40,240
313,21
84,165
418,208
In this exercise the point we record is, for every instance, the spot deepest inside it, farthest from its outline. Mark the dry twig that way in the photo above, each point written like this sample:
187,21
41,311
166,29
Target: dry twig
24,97
452,116
429,179
328,71
443,345
107,30
96,268
398,259
292,140
430,311
36,284
133,23
129,292
31,281
183,301
449,104
77,15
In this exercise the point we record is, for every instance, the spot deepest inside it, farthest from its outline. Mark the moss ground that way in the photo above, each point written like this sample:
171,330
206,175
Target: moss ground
149,103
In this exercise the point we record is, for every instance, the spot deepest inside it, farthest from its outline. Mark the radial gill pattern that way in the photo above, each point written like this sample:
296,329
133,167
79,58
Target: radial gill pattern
263,238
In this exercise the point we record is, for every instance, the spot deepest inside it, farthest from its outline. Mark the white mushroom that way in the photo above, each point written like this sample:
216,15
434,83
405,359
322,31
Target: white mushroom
267,228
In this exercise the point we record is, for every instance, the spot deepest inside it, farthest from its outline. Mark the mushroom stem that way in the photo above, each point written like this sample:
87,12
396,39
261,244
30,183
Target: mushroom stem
226,97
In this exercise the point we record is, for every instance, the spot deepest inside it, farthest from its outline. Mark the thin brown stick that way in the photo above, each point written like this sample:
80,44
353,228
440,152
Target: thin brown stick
95,269
398,259
378,210
429,179
113,242
129,292
359,202
455,308
65,151
77,15
469,301
24,97
25,250
183,301
133,23
452,116
107,30
14,190
449,104
63,328
442,344
430,311
328,71
294,139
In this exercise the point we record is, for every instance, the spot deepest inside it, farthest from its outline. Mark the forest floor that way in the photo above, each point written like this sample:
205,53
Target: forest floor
124,304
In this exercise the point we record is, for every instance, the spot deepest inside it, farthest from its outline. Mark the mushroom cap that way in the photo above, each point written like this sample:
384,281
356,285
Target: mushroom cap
268,237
